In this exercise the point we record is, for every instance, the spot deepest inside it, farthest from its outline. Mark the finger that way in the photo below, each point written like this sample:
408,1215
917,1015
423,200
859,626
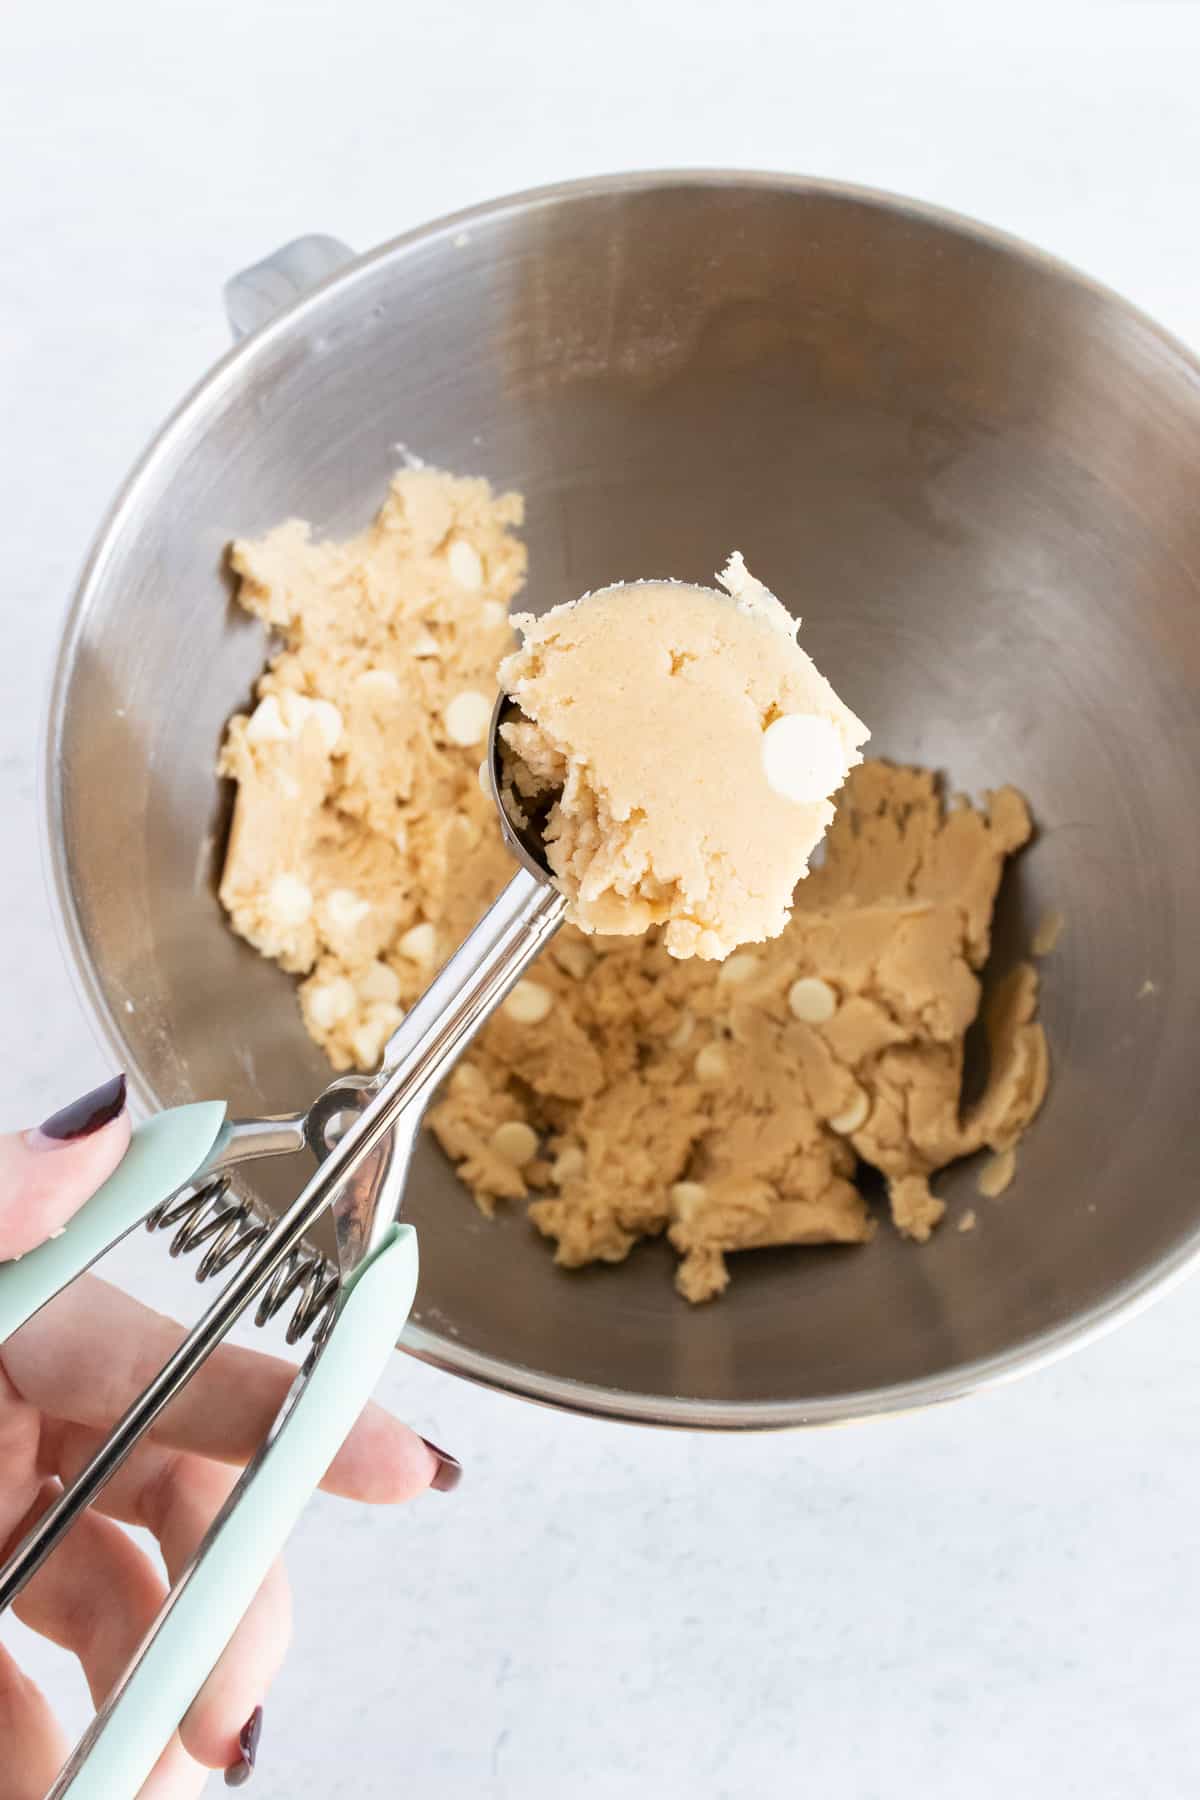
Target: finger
47,1174
20,1443
175,1776
97,1596
34,1747
223,1412
176,1496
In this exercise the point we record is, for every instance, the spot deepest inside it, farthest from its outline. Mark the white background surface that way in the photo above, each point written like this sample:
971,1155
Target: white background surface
999,1597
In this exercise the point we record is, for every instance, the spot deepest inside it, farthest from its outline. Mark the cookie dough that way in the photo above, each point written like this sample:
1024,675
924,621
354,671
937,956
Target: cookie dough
362,850
692,748
623,1092
728,1105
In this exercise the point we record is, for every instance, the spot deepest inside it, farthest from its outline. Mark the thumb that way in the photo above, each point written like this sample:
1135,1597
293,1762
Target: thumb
46,1174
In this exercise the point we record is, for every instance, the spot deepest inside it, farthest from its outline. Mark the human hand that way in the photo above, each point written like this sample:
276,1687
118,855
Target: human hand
65,1377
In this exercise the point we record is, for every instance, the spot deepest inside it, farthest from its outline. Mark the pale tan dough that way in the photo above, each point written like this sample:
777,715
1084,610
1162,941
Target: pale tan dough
659,715
702,1106
362,849
697,1099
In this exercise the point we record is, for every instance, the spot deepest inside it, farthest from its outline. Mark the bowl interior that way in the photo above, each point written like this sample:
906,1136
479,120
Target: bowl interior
970,472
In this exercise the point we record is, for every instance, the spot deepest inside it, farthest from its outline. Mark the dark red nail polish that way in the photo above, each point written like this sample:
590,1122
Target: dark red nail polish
240,1772
449,1469
87,1114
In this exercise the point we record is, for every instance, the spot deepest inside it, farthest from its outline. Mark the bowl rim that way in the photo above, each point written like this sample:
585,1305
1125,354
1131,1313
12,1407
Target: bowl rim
1037,1351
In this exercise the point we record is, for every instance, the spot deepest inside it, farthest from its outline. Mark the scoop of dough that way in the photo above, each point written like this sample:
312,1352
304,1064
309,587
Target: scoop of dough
694,747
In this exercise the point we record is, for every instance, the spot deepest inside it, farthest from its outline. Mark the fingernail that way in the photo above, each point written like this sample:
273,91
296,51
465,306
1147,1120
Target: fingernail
85,1115
239,1773
449,1469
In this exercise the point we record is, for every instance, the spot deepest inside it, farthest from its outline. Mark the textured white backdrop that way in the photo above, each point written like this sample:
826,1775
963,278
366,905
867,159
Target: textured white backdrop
1003,1596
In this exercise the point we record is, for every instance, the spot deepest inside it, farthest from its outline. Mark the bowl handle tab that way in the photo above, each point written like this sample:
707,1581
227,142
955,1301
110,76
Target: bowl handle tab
255,295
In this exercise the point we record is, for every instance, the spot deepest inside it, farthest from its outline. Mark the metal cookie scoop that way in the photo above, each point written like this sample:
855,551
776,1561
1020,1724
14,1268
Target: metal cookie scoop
361,1130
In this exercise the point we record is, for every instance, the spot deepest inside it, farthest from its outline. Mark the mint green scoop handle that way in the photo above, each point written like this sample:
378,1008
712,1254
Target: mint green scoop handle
127,1736
163,1154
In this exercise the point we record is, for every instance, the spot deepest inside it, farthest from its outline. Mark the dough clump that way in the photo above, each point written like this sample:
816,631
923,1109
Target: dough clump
621,1091
362,849
692,748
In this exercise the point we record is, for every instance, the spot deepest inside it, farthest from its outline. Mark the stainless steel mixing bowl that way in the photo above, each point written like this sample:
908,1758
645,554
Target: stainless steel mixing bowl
974,473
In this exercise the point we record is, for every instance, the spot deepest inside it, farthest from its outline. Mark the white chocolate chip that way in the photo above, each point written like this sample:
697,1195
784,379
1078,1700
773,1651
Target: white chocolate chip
569,1163
400,838
329,1002
742,966
379,981
377,684
329,723
687,1197
425,644
529,1003
484,778
289,900
852,1116
467,1079
366,1047
419,943
711,1063
516,1142
812,1000
265,724
294,709
804,759
682,1032
368,1041
343,909
467,718
492,614
385,1015
286,715
465,564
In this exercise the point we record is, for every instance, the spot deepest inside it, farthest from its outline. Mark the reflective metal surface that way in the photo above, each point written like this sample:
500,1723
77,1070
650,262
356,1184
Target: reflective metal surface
970,470
522,834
